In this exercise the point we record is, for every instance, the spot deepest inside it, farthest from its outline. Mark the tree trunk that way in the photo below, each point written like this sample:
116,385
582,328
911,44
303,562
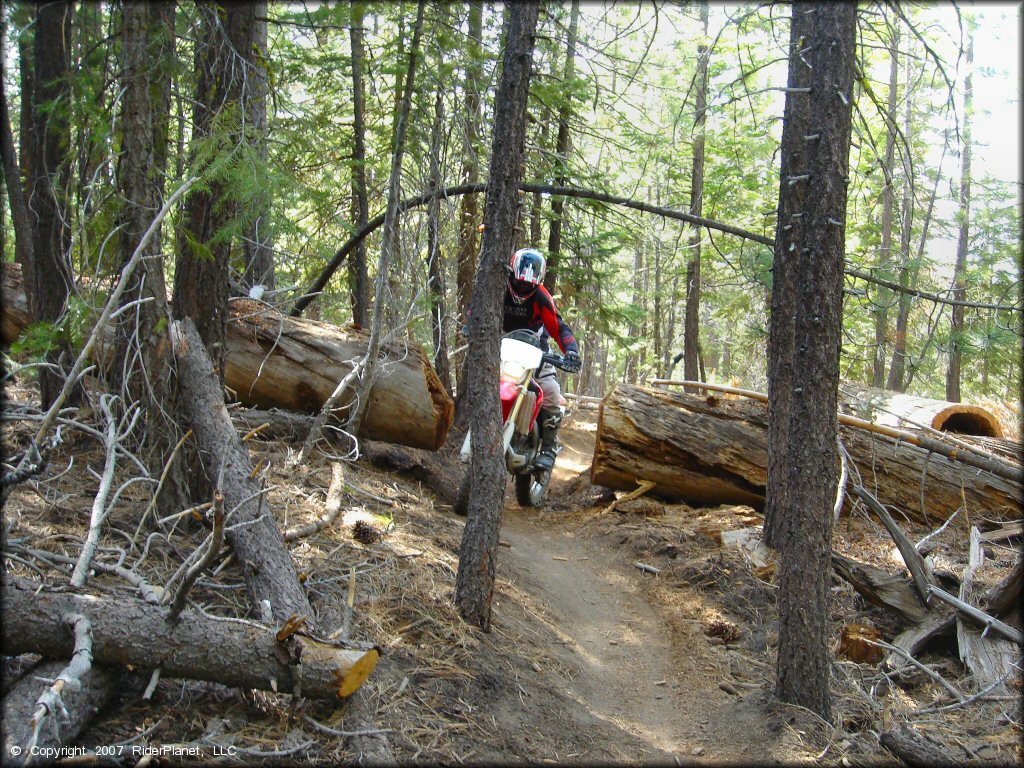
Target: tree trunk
468,207
474,582
898,364
251,527
809,466
131,632
358,280
257,243
142,343
52,278
783,302
691,321
883,296
562,145
956,327
201,274
709,450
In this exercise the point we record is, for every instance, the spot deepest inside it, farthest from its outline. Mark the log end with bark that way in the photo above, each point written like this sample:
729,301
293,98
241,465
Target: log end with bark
711,450
276,361
686,445
127,631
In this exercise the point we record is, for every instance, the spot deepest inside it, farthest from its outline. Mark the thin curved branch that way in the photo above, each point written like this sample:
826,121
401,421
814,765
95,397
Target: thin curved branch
592,194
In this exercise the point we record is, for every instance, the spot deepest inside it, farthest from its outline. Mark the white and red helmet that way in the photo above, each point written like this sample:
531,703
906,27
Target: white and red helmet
527,267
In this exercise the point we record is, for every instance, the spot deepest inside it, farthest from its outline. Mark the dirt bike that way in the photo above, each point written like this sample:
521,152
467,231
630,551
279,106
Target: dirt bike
522,356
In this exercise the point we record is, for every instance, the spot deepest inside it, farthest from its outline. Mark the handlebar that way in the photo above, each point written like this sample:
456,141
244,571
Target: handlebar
556,360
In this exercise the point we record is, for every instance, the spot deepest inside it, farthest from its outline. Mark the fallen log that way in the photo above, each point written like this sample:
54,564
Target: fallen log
895,409
252,529
276,361
709,450
97,689
915,750
132,632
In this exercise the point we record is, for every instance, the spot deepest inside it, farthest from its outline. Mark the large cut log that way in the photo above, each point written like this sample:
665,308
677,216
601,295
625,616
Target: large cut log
126,631
895,409
276,361
709,450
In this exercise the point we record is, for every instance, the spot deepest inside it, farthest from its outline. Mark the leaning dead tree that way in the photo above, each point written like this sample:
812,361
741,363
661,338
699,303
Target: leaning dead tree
346,249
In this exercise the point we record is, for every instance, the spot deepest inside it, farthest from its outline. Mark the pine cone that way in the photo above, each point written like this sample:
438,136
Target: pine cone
726,630
365,533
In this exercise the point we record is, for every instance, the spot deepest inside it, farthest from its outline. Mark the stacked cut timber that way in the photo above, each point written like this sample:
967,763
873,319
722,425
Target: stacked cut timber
709,450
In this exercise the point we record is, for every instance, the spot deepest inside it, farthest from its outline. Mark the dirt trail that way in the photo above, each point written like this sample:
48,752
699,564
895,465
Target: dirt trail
611,634
634,665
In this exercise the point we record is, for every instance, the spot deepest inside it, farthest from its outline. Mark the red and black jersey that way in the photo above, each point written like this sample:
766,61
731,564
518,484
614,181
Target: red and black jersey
538,313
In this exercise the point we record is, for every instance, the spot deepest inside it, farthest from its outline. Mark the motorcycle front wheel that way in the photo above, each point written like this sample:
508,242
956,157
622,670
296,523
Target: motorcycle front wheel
531,490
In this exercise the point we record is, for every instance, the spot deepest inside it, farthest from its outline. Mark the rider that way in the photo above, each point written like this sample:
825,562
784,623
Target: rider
529,305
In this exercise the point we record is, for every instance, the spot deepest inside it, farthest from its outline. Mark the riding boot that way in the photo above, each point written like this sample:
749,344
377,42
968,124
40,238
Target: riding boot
550,421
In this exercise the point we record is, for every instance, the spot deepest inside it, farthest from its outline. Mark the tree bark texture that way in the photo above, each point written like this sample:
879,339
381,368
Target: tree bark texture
790,231
474,582
468,207
99,687
709,450
132,632
826,42
51,276
250,525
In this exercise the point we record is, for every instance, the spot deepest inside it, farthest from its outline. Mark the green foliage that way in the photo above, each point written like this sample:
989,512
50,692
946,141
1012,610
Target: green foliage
41,338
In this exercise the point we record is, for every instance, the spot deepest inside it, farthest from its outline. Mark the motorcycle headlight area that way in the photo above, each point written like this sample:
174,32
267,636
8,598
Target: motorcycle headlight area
517,358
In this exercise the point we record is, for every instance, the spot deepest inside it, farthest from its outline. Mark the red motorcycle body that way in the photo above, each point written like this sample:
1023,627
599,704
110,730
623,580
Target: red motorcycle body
508,392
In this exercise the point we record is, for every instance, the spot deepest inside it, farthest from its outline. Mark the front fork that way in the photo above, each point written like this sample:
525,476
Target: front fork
510,424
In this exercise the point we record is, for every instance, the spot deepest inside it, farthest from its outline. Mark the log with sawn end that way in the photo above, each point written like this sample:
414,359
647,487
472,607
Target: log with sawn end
277,361
127,631
710,450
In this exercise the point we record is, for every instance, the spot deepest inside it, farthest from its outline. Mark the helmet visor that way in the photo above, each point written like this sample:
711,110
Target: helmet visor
529,269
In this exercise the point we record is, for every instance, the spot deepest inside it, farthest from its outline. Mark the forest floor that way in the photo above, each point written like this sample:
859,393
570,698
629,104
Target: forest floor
590,658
